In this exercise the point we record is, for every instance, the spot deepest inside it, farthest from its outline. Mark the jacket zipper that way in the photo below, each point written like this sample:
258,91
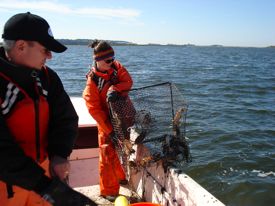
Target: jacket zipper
37,129
37,114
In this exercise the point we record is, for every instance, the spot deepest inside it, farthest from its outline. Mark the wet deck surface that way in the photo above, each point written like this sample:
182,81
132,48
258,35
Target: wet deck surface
93,193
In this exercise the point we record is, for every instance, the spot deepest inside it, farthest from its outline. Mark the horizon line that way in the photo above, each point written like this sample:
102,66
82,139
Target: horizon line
128,43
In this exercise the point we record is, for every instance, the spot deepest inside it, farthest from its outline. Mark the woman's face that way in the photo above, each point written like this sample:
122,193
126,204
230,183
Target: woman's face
105,64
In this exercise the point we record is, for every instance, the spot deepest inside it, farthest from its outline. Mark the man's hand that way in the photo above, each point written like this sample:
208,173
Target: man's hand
60,194
59,167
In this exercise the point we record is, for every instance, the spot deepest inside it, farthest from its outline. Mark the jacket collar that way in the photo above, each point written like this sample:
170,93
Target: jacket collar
105,75
22,76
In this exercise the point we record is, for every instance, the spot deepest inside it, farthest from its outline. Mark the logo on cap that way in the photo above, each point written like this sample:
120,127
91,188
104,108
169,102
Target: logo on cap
50,32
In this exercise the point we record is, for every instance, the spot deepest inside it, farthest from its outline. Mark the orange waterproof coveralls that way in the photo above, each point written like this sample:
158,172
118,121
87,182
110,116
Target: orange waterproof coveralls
21,196
98,83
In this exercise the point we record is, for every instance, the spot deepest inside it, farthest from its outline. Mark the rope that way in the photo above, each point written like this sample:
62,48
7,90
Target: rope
149,86
162,188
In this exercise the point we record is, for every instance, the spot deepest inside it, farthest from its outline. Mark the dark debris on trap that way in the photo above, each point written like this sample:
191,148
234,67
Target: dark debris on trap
156,116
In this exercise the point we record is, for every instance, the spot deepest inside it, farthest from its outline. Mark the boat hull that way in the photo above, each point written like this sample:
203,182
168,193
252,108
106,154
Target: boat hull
169,187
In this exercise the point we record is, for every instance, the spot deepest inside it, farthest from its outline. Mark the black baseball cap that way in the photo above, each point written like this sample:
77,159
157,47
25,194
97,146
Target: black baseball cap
27,26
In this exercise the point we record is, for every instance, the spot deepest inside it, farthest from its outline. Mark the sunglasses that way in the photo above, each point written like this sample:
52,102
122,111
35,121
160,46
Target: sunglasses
108,61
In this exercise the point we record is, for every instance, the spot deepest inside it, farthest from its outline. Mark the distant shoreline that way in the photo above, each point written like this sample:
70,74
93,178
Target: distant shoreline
86,42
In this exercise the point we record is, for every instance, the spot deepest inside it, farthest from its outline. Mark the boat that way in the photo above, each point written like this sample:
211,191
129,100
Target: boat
149,181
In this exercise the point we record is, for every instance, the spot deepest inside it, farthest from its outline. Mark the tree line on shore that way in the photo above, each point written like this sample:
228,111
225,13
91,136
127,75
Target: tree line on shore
87,42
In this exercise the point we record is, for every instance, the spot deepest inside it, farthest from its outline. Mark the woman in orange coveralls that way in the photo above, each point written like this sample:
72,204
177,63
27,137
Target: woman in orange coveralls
106,80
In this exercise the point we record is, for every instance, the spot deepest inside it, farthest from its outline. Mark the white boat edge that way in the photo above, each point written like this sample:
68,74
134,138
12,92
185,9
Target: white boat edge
170,188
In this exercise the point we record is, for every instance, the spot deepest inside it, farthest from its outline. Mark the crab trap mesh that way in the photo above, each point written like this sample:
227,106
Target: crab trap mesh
154,115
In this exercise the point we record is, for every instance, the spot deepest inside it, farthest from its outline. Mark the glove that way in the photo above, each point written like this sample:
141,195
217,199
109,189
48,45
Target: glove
59,167
60,194
112,96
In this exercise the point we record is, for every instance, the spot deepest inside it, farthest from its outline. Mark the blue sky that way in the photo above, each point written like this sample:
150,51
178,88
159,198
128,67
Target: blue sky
200,22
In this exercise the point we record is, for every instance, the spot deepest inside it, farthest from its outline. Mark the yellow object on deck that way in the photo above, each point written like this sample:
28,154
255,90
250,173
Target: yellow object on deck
121,201
144,204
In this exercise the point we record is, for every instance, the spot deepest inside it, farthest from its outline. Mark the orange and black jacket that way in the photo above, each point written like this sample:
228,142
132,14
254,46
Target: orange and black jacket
37,120
97,86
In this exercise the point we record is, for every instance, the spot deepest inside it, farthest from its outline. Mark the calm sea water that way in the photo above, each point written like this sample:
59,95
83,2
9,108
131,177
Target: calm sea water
231,117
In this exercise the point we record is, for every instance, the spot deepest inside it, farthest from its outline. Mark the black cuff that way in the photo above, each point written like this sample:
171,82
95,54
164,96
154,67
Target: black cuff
43,183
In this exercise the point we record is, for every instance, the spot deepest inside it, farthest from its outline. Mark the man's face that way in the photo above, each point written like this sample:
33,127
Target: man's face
32,54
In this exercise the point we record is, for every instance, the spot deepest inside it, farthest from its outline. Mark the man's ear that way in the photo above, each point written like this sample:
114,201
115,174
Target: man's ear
20,45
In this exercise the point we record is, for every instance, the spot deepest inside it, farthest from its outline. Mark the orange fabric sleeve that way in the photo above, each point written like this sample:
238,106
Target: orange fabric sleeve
124,79
96,108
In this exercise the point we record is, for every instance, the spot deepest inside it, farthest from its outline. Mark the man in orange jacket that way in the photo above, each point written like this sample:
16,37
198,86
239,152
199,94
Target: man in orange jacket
106,80
38,123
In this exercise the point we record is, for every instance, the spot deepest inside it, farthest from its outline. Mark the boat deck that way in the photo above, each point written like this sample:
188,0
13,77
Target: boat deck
93,193
84,176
